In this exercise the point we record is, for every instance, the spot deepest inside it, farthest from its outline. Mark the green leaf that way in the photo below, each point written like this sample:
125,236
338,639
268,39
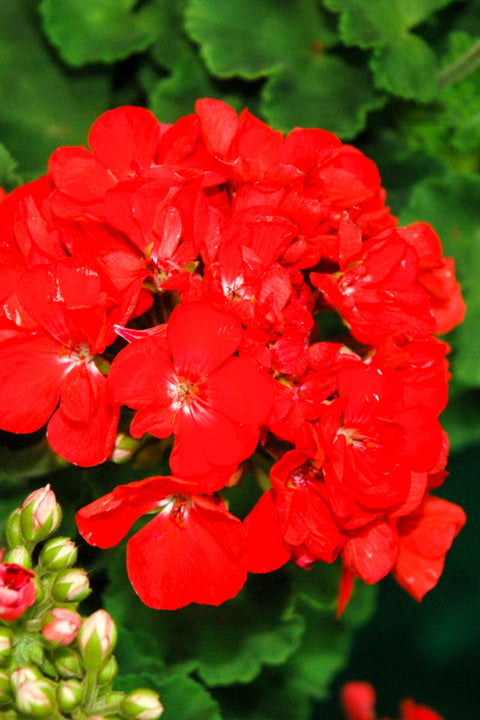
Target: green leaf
184,698
181,696
402,62
88,31
326,643
325,91
254,38
41,105
9,178
450,204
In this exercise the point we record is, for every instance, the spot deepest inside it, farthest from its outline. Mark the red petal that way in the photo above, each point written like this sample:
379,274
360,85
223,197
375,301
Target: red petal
411,711
190,554
125,137
140,373
265,547
31,373
425,537
106,521
358,701
79,175
88,438
241,392
219,124
201,338
372,554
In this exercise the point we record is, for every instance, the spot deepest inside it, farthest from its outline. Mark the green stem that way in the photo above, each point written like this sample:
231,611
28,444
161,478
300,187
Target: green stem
91,690
461,68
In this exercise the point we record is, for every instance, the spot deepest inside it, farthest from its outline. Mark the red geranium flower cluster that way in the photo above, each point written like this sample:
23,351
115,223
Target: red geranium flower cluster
244,294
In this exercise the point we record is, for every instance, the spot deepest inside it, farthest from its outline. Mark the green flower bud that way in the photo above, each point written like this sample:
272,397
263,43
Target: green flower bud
18,555
71,586
108,672
24,674
96,639
5,688
69,695
40,514
13,529
39,590
5,644
68,663
36,698
141,704
58,553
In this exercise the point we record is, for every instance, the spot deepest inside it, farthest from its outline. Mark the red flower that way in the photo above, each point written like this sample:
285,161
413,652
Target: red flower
68,315
358,702
190,384
192,551
17,590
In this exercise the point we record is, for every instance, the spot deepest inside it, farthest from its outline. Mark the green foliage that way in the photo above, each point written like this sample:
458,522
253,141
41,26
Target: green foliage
42,105
77,29
403,63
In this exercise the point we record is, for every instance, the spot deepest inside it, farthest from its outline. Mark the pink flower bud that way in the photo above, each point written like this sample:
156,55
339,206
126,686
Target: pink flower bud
17,590
36,698
40,514
96,639
71,586
62,627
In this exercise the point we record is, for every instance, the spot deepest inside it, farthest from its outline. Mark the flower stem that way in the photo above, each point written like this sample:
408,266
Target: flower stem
461,68
91,690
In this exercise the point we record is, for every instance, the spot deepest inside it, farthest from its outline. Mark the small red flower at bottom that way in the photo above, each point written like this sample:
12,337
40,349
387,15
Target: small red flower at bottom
358,702
17,590
192,551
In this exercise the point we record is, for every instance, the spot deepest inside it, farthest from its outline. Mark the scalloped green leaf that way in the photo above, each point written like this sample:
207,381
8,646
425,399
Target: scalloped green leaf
402,62
41,105
89,31
325,91
254,38
450,203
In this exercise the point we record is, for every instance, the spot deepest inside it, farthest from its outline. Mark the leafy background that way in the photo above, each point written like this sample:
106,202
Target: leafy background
400,79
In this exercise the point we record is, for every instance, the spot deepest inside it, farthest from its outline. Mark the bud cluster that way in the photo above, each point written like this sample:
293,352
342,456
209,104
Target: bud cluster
55,663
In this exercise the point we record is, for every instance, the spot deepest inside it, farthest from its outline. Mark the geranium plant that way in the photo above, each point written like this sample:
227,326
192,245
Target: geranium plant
225,347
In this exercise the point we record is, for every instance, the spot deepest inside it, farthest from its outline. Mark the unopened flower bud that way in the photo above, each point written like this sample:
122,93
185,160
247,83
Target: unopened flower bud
61,626
96,639
17,590
13,530
18,555
125,447
36,698
40,514
142,704
71,586
5,688
5,644
69,695
108,672
24,674
68,663
58,553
